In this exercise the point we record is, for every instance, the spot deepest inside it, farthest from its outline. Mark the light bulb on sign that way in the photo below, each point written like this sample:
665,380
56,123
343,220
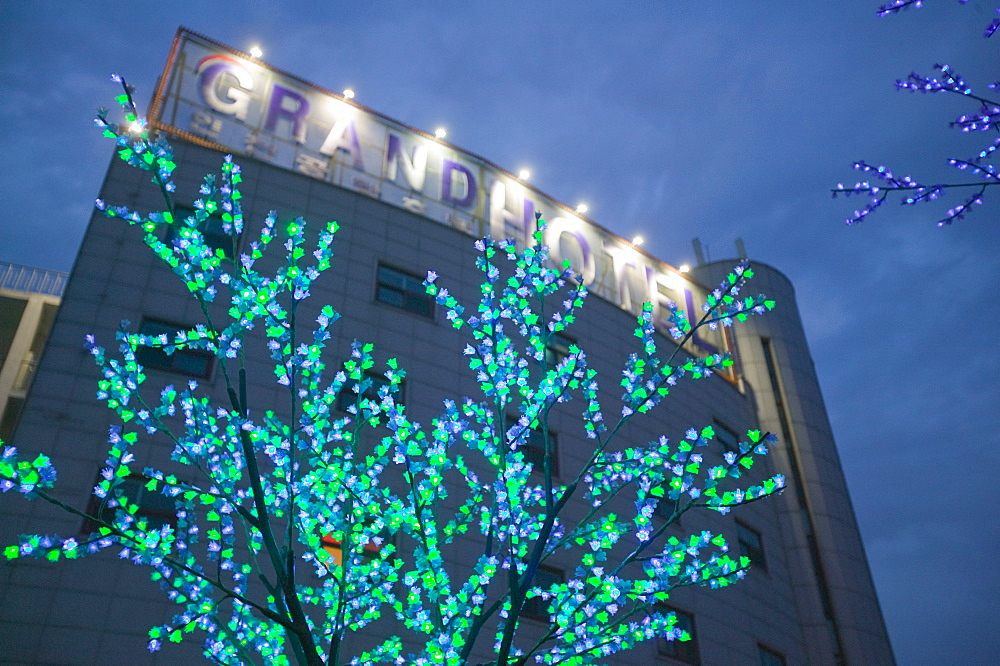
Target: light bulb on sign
524,174
255,52
638,240
582,208
348,93
440,133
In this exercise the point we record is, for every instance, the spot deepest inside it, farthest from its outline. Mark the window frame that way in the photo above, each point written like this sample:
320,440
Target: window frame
538,459
727,438
757,554
370,551
664,508
97,506
346,397
557,348
409,294
155,358
687,652
536,608
769,656
215,238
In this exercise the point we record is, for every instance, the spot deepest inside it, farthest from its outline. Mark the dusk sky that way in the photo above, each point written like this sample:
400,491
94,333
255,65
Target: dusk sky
672,120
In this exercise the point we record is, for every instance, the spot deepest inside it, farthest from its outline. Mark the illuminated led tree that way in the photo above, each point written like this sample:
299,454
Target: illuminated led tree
881,181
291,534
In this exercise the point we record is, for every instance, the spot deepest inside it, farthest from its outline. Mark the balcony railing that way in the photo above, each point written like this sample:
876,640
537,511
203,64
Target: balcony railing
33,280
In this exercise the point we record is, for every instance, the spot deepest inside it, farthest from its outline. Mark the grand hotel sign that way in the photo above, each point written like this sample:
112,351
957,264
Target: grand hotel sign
219,97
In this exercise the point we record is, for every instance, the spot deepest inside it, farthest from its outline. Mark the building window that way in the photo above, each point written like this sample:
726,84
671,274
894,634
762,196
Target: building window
334,547
347,399
769,657
726,437
11,310
537,608
11,415
211,229
665,507
751,545
403,290
685,651
557,349
156,508
193,362
532,448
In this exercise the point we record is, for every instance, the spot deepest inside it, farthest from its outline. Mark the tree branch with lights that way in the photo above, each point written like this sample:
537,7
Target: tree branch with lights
880,180
295,526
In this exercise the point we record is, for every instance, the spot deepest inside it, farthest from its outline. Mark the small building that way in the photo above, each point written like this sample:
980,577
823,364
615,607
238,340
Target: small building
29,298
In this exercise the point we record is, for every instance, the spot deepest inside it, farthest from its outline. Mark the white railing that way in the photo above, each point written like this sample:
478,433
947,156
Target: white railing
34,280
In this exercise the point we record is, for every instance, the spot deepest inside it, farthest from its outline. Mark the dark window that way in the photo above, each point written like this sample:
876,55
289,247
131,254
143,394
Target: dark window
403,290
769,657
193,362
665,507
751,545
45,322
155,507
11,415
557,348
686,651
211,229
536,607
348,397
11,310
532,448
727,438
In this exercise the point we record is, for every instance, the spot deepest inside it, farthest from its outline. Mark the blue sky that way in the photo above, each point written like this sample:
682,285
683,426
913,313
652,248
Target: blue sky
674,121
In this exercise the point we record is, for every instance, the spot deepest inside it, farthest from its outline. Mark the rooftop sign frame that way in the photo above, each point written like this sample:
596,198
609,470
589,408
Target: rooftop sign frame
216,96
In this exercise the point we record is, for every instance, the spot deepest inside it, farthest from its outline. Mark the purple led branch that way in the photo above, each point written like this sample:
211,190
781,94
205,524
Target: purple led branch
916,192
989,113
896,6
986,118
951,82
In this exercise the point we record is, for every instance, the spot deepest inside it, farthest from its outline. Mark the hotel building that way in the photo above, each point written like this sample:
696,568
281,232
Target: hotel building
408,202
